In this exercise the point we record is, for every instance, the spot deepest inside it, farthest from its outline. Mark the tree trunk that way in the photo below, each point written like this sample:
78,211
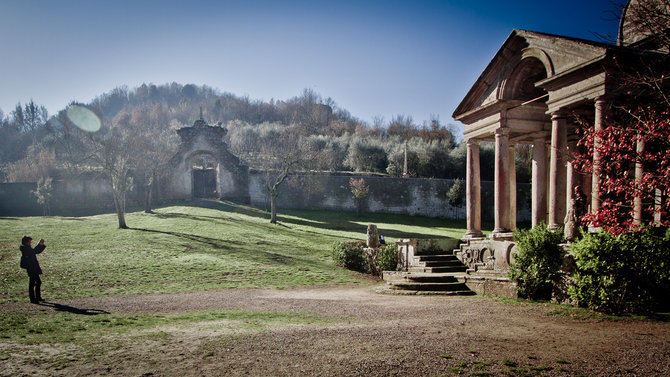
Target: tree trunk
120,204
147,196
359,207
273,208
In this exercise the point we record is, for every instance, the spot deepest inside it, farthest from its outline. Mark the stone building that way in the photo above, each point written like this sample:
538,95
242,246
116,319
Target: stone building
532,92
204,167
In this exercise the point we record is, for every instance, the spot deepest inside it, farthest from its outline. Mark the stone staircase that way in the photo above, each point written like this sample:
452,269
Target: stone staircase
429,272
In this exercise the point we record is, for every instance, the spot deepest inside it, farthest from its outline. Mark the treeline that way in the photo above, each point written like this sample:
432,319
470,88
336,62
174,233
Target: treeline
34,144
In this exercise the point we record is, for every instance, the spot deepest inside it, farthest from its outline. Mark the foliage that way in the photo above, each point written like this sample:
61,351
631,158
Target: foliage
360,191
537,261
366,155
650,126
275,149
456,193
358,188
43,194
37,164
629,272
350,255
387,260
632,143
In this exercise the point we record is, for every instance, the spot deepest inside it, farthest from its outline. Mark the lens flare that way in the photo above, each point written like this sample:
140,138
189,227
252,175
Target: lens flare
84,118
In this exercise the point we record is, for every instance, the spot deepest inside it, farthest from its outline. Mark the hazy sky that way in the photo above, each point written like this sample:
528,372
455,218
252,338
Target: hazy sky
374,58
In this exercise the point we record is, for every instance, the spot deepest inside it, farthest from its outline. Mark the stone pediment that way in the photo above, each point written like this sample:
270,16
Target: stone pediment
557,54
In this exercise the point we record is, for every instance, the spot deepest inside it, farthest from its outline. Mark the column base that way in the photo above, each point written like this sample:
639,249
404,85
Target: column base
502,234
473,234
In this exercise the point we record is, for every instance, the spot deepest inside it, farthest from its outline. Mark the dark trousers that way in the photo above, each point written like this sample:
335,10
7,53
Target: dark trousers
34,285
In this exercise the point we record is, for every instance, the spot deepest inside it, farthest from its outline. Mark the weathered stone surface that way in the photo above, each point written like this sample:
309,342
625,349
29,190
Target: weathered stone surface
202,140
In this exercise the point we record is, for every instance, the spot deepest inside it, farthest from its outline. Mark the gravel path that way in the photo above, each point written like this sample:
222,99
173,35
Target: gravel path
370,335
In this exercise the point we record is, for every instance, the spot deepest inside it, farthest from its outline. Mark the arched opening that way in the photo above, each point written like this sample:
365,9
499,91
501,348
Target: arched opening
521,83
203,170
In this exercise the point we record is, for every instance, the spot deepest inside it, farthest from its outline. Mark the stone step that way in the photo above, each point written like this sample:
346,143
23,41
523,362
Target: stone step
440,257
409,292
434,278
460,268
416,286
455,263
432,252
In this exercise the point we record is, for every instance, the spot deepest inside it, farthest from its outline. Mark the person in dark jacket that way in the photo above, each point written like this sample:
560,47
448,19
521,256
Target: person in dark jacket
32,266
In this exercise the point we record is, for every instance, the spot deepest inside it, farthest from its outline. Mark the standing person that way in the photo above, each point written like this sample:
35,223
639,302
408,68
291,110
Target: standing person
32,266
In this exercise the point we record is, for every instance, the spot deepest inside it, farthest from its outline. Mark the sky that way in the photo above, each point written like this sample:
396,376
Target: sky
376,59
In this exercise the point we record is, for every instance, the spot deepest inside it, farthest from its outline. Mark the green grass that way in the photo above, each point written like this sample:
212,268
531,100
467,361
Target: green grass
50,327
185,248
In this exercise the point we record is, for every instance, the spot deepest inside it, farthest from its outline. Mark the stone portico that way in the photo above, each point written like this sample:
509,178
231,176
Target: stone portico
532,93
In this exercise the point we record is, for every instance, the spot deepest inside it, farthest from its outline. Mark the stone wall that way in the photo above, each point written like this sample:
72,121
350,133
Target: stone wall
69,198
408,196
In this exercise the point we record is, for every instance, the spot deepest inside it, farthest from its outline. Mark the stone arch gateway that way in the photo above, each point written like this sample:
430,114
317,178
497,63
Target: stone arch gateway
204,167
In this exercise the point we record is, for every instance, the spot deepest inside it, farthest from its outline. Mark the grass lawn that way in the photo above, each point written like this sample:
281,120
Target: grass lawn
181,248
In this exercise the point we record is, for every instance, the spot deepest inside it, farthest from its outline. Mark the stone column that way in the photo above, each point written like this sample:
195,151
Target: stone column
572,179
557,171
512,187
595,178
473,191
501,194
539,181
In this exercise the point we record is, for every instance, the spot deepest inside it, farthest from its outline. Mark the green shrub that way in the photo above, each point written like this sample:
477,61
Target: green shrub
537,261
625,273
387,260
350,255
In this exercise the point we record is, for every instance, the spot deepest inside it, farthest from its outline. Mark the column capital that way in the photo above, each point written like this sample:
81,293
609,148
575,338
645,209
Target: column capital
472,141
502,131
602,99
559,114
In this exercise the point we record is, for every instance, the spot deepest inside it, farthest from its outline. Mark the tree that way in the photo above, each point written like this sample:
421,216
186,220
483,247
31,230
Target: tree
114,148
360,191
275,149
156,143
635,176
43,194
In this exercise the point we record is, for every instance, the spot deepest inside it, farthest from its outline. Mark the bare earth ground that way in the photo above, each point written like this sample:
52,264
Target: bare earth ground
372,335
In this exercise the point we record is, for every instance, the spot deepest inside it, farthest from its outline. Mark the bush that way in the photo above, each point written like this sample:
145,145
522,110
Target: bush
387,259
625,273
456,193
350,255
537,262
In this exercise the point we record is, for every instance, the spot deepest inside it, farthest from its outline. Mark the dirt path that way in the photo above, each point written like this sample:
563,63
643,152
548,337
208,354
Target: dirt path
371,335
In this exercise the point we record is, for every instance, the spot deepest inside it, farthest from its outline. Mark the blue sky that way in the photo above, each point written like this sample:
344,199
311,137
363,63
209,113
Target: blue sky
374,58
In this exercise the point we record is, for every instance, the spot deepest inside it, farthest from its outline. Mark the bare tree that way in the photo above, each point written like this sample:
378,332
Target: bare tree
275,149
114,148
646,23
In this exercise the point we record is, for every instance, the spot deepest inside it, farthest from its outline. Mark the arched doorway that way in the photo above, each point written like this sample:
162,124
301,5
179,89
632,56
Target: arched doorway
203,169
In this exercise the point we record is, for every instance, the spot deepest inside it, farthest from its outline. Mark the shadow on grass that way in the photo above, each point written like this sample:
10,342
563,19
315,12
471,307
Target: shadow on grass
213,242
330,220
71,309
233,247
